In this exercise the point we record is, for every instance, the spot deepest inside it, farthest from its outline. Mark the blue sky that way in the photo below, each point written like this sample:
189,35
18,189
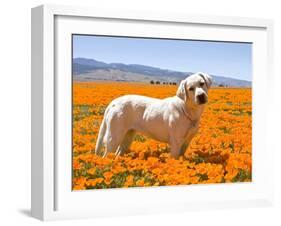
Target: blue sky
217,58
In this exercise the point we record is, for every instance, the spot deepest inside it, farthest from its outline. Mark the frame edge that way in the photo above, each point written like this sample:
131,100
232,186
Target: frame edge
37,39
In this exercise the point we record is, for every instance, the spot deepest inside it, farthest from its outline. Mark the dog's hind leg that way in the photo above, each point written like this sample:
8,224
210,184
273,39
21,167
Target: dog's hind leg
114,135
126,143
112,141
100,144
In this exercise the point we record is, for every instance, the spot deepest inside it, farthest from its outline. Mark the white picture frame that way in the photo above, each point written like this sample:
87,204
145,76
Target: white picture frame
52,198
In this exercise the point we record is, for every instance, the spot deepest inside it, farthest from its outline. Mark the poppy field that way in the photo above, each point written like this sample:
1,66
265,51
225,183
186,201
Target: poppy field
221,151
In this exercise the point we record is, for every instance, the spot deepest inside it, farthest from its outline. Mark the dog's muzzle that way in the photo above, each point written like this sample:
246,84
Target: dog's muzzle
202,99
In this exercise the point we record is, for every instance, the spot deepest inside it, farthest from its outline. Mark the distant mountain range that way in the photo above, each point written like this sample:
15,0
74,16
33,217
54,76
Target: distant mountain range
90,70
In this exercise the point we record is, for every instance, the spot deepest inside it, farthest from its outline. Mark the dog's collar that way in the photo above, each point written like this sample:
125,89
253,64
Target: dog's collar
188,116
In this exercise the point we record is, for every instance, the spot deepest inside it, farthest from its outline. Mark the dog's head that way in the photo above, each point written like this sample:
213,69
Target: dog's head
194,89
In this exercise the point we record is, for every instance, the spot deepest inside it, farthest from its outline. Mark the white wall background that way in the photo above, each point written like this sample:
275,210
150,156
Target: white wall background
15,111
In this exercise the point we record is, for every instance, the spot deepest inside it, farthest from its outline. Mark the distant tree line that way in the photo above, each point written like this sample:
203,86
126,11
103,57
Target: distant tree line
222,85
152,82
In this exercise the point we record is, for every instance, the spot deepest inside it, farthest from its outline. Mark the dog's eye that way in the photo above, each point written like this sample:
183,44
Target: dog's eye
201,84
191,88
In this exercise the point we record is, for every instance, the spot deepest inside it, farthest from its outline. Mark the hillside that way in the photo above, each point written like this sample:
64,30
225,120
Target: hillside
89,69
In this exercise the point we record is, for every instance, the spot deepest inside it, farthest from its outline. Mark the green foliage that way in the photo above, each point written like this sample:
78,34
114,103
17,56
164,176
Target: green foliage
202,177
242,175
140,138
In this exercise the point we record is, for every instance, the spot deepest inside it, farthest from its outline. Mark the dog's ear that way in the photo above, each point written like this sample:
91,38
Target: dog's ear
207,78
181,92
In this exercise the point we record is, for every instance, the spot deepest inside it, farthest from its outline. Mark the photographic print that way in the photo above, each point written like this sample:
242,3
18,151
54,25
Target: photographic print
160,112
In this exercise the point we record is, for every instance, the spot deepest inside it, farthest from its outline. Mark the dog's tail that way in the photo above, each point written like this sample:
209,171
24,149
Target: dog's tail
100,143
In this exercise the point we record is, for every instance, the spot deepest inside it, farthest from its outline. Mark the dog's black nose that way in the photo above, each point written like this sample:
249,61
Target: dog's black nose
202,98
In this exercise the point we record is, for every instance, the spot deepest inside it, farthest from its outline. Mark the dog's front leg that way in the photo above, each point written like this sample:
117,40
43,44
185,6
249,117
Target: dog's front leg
188,139
175,147
184,147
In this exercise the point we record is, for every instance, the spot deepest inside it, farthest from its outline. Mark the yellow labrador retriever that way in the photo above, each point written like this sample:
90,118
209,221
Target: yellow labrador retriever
173,120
